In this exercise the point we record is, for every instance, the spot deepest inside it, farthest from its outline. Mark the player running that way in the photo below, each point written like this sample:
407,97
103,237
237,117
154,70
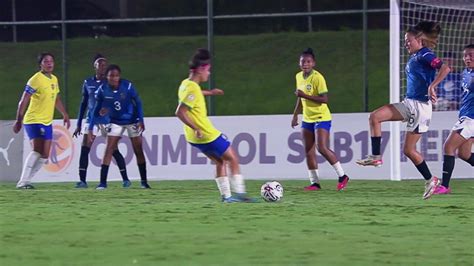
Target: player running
416,108
40,97
462,134
88,101
200,132
312,98
120,101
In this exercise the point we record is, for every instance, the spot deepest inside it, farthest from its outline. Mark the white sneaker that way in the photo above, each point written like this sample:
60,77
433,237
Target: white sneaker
430,187
371,160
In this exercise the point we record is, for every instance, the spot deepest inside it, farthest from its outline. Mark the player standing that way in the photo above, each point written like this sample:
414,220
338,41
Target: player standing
416,108
312,98
120,101
200,132
462,134
39,99
89,88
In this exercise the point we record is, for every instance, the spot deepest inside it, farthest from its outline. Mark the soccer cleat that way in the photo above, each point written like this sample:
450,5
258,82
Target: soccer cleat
442,190
343,184
430,187
313,187
371,160
101,186
26,186
126,184
145,185
229,200
81,184
243,197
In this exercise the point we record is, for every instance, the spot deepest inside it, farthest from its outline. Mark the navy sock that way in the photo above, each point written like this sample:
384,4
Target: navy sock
142,170
423,169
121,164
104,170
376,145
83,162
448,166
471,160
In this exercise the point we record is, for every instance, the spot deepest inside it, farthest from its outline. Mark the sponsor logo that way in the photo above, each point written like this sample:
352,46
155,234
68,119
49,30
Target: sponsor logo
62,150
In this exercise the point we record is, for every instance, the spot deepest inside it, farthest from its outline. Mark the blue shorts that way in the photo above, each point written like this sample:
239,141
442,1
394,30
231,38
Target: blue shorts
313,126
216,148
35,131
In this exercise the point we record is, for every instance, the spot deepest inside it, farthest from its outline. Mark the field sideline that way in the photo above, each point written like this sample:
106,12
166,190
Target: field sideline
182,222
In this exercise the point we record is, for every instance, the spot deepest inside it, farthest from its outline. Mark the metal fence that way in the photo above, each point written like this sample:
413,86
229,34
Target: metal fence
210,19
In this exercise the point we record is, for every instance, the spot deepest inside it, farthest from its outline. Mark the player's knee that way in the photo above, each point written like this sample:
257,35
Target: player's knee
410,152
448,150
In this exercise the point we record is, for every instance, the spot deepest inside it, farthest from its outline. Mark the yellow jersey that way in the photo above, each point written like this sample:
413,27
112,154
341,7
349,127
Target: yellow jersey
43,92
313,85
190,94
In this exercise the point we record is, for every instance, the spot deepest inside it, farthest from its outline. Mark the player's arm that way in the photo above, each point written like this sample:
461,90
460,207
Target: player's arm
321,98
60,106
298,108
20,113
212,92
442,73
139,108
96,111
82,109
182,114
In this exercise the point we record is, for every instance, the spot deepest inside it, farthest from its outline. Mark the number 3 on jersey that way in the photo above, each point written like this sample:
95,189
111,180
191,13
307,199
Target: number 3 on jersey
117,105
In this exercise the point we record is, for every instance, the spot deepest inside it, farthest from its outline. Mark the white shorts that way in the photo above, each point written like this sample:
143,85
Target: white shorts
99,129
417,114
118,130
465,127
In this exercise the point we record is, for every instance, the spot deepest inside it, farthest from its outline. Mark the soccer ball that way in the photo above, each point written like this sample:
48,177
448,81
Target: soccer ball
272,191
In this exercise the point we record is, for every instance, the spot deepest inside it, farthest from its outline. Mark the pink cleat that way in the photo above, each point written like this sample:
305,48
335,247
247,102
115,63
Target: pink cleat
442,190
343,184
313,187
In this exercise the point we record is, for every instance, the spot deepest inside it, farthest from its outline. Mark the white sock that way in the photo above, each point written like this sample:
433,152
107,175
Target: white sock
30,162
238,184
339,171
39,163
224,186
313,175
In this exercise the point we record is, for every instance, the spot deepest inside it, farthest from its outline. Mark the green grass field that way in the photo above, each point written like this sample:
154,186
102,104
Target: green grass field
183,223
257,72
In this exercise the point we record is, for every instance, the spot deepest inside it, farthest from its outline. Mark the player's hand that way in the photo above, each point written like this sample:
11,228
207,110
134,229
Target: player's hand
17,126
198,133
77,132
66,121
432,94
299,93
140,127
294,121
103,111
217,91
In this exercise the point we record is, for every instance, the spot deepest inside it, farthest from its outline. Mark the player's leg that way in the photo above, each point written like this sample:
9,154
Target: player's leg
222,180
84,157
323,148
465,152
111,145
40,137
388,112
237,181
137,142
309,142
452,143
122,166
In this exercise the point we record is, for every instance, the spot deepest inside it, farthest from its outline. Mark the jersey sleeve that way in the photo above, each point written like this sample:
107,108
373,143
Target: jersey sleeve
138,103
83,105
99,96
33,85
430,59
320,84
188,95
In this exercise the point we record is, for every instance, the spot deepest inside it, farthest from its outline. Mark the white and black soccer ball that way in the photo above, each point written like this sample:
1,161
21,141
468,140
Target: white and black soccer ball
272,191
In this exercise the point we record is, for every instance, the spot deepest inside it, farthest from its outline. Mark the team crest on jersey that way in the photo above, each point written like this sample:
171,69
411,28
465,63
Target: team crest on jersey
308,87
191,97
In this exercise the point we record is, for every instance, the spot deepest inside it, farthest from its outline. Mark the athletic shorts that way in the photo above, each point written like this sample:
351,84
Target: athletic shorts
99,129
115,130
215,148
39,131
465,127
315,125
417,114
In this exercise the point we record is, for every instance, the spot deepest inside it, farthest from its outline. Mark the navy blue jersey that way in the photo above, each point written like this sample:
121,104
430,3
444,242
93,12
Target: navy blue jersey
467,100
123,105
420,72
89,88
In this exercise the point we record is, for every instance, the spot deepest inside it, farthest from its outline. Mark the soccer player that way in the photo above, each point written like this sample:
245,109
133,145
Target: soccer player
200,132
120,101
312,97
39,99
416,108
88,101
461,137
